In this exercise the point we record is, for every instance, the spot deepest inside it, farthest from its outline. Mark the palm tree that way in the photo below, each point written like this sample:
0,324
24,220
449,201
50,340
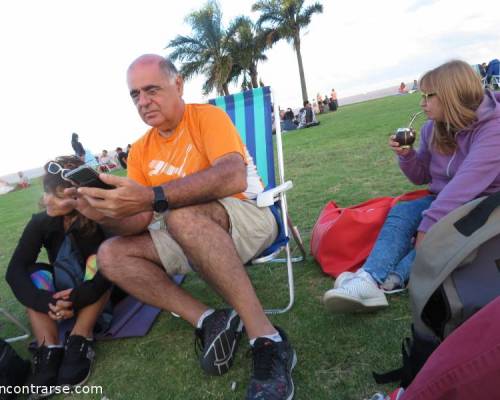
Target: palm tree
247,46
285,19
206,50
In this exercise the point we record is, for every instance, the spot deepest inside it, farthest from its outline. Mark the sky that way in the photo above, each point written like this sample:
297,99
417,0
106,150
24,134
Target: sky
63,62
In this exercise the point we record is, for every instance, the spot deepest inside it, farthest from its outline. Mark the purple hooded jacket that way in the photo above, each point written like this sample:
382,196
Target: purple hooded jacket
473,170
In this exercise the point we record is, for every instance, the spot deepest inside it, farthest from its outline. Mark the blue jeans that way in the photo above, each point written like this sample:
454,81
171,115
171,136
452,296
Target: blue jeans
393,252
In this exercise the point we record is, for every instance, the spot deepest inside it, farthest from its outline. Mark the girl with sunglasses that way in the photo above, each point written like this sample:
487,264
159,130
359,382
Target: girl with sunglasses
458,158
33,283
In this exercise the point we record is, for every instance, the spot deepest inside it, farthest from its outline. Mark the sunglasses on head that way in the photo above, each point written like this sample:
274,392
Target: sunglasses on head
55,169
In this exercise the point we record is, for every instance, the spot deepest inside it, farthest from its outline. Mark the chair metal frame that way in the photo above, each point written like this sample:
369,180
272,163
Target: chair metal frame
16,322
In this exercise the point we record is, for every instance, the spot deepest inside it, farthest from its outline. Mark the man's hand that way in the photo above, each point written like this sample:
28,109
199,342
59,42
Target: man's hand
127,199
82,205
395,146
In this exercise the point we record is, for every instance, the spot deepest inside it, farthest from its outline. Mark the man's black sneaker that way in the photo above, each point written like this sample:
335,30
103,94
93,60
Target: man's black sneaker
43,378
217,341
272,369
78,358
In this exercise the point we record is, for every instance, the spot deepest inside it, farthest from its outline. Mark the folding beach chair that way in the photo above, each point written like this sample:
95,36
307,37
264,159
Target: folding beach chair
251,112
15,321
495,82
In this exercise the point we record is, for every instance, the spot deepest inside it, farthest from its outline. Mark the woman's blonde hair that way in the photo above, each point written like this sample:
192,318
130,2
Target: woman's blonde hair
460,92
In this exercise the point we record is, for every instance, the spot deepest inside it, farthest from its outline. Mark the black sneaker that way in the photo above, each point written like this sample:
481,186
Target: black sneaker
78,358
272,369
13,369
43,378
217,340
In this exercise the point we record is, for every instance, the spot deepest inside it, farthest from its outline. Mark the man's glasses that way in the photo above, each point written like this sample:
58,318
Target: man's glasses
55,168
427,96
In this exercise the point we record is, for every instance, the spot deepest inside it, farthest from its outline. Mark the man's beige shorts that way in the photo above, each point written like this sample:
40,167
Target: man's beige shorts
252,229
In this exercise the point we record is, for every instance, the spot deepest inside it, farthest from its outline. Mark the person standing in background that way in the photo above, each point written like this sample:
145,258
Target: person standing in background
121,157
334,104
77,146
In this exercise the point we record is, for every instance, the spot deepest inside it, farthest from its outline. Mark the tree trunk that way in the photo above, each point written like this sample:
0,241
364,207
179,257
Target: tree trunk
253,76
296,43
225,89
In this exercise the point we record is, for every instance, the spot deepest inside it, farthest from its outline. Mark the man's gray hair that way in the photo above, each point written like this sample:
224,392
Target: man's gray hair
168,68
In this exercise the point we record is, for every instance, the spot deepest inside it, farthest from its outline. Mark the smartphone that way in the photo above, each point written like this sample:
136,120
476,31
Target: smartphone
87,176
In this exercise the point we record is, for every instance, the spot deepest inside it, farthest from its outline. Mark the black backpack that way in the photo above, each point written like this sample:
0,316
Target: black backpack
13,371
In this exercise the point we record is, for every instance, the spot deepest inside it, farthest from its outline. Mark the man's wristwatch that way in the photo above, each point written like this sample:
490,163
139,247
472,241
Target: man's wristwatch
160,202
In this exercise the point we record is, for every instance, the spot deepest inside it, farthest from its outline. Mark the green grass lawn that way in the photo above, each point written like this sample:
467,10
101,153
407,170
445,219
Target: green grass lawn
347,159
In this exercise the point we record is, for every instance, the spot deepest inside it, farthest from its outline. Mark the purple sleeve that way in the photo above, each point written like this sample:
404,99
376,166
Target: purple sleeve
474,176
415,165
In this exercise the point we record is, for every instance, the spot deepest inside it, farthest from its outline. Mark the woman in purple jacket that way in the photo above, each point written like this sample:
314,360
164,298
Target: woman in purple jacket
458,158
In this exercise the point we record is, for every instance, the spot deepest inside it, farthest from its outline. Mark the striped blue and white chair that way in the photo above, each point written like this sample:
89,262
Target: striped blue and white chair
251,112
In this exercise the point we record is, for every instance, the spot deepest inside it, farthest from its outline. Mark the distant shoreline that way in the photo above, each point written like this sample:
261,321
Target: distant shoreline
32,173
375,94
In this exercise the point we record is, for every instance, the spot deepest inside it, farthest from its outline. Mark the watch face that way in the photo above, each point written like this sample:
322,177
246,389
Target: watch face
160,203
160,206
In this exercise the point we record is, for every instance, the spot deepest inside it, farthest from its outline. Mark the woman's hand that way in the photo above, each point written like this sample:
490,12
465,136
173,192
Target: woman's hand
396,147
420,238
63,309
60,315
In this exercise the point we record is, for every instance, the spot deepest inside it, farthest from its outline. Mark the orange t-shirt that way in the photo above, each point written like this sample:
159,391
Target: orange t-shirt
204,134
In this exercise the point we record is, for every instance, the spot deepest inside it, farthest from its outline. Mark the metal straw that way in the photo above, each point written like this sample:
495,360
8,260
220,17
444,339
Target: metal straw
413,118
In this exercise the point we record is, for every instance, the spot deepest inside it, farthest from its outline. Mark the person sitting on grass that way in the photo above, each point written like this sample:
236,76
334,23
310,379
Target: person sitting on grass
402,88
5,187
121,156
49,300
307,118
23,182
106,162
458,157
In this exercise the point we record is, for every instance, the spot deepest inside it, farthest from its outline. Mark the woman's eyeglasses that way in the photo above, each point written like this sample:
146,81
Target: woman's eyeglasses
427,96
55,168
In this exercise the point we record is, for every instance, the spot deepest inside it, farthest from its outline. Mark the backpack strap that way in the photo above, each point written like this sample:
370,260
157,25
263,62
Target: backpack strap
415,352
400,374
478,216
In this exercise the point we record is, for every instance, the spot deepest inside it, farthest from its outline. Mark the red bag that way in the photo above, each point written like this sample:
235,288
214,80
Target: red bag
342,238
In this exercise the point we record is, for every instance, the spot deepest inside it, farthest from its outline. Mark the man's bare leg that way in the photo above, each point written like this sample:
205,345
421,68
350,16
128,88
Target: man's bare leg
202,233
133,264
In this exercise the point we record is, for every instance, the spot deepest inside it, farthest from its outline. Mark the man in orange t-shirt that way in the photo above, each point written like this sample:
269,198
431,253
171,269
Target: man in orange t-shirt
189,204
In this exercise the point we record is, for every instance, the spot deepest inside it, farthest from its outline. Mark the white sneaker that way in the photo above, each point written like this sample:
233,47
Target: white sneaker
344,276
359,293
